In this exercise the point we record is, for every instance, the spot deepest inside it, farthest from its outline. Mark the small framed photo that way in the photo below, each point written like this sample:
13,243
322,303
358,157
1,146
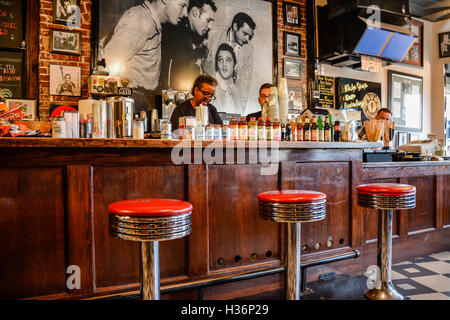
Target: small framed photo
292,44
295,98
65,80
64,41
402,138
292,69
63,10
28,107
444,45
291,12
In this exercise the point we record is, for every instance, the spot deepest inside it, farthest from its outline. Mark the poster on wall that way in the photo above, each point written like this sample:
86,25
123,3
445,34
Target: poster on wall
359,97
229,40
11,20
11,74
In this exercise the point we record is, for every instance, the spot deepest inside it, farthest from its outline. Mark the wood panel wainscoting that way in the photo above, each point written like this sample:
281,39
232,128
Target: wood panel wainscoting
55,194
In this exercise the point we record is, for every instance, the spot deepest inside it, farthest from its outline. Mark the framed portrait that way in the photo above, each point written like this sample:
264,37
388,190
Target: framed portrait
295,98
240,63
64,41
65,80
406,100
415,54
28,107
291,13
292,44
292,68
444,45
66,12
402,138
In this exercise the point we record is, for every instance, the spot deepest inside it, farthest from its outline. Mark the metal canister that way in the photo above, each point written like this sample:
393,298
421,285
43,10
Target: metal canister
58,127
110,132
154,121
166,130
99,119
144,118
123,117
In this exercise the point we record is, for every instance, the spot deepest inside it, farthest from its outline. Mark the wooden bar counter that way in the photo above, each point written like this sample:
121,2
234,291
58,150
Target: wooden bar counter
54,195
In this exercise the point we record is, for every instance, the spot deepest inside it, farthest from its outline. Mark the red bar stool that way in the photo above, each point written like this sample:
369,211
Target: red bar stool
292,207
150,221
385,197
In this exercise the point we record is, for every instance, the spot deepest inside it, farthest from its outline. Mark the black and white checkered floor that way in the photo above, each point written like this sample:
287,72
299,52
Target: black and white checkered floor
425,278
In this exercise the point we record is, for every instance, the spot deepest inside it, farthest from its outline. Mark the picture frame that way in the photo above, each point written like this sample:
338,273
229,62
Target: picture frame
292,15
29,107
414,56
292,68
444,45
66,12
295,98
177,72
406,101
65,81
292,44
65,42
402,138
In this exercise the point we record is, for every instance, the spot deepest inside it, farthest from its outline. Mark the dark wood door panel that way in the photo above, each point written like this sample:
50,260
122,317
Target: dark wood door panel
423,216
333,179
117,261
32,251
235,228
446,200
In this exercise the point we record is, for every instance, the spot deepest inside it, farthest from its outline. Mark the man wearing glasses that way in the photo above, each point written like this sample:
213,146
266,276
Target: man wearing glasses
263,98
203,91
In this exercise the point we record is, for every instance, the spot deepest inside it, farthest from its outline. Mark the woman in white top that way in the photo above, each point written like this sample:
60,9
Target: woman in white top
226,93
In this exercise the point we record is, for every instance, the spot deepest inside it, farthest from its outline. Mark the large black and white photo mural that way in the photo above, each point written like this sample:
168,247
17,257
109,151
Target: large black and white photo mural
166,44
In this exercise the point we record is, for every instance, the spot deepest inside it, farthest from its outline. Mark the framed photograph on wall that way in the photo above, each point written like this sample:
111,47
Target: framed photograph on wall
28,106
64,41
65,80
406,101
295,98
444,45
66,12
291,13
415,54
292,69
240,59
292,44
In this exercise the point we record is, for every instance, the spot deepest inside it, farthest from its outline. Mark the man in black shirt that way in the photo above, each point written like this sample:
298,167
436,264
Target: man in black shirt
263,98
203,92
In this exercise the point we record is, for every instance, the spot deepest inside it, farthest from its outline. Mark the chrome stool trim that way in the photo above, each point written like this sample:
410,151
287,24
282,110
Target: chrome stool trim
293,214
385,204
149,231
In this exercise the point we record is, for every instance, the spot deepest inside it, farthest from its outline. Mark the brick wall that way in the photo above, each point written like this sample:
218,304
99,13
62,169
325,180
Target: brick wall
46,58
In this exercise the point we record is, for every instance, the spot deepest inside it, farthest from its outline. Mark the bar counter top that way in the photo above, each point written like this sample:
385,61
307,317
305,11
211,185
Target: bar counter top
160,144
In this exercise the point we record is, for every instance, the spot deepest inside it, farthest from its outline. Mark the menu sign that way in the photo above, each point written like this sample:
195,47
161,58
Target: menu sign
11,74
325,87
11,32
358,95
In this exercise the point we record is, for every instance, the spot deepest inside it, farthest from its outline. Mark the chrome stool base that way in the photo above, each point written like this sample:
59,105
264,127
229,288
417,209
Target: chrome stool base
386,292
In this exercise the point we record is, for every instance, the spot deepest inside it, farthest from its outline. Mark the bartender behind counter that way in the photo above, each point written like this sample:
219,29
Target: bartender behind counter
203,92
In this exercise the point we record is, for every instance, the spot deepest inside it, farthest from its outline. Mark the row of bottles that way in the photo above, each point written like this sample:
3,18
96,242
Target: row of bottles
295,130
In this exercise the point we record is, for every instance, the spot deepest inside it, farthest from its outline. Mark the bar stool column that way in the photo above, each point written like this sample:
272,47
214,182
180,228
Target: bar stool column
292,274
150,273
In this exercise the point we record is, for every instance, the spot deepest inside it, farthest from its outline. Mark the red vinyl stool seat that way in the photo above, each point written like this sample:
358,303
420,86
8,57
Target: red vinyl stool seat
385,197
149,221
292,207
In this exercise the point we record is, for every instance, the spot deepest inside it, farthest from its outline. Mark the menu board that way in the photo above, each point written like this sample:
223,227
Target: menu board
11,74
11,20
358,96
325,87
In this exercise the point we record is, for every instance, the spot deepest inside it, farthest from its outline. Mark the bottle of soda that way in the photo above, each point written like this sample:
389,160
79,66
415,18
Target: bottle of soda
327,130
234,130
300,132
331,126
314,130
283,132
306,131
294,128
337,131
288,132
253,129
276,130
269,129
320,128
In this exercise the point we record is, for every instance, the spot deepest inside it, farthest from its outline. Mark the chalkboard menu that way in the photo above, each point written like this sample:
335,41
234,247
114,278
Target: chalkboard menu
359,96
325,87
11,74
11,23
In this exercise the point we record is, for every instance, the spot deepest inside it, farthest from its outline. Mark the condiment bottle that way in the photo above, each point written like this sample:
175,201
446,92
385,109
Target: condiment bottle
234,130
276,130
314,130
252,129
243,129
306,131
262,135
269,129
